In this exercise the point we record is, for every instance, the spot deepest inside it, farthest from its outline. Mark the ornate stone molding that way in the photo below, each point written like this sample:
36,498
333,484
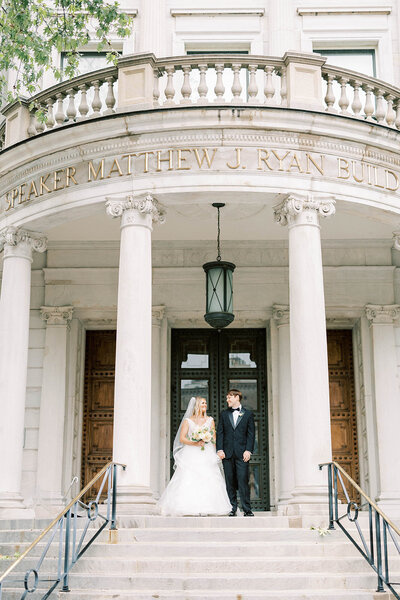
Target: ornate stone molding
12,237
281,314
396,240
157,314
382,314
56,315
293,206
147,205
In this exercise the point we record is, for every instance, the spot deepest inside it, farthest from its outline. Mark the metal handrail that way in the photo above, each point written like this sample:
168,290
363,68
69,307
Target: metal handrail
380,528
109,471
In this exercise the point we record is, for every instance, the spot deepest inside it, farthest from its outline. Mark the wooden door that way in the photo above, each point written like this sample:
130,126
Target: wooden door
98,411
343,409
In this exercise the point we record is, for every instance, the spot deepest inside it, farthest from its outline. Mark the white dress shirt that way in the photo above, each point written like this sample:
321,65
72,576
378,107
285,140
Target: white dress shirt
236,414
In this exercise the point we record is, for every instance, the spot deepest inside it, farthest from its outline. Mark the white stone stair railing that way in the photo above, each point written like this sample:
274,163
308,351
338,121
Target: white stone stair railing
361,97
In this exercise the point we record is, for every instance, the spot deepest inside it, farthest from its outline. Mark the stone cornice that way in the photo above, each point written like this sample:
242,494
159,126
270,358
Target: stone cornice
56,315
293,206
382,314
13,236
281,314
146,205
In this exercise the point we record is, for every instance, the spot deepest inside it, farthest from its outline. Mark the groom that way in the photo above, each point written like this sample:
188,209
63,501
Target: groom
235,444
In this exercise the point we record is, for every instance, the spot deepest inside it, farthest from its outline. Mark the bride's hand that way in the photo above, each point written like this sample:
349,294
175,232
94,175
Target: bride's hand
201,443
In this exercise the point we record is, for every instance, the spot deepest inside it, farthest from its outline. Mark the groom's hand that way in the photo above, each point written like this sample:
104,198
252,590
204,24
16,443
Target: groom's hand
221,454
246,456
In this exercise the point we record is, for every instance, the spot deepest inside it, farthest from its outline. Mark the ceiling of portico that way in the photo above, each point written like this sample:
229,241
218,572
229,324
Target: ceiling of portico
193,218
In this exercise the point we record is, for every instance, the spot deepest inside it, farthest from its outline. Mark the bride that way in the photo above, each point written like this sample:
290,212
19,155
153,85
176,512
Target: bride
197,486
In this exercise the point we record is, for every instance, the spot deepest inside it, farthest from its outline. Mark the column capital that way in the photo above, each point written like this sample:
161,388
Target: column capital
20,242
378,314
396,240
56,315
308,207
145,205
281,314
157,314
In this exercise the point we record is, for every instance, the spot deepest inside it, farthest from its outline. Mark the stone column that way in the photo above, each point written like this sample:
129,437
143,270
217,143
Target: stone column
157,318
286,472
387,403
308,349
52,408
132,402
18,245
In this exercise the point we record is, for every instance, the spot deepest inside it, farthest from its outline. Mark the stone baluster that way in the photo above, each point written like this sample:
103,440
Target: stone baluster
96,102
380,111
31,131
50,122
186,89
203,88
83,105
71,109
330,96
170,90
253,88
60,116
343,100
156,88
219,85
236,85
39,122
390,114
110,98
283,75
356,105
269,89
369,103
397,108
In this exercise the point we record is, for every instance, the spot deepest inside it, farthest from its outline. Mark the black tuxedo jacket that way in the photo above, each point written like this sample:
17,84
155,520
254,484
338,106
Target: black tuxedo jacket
235,440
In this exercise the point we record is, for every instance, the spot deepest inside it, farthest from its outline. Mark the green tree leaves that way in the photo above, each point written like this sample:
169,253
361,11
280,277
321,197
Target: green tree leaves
33,34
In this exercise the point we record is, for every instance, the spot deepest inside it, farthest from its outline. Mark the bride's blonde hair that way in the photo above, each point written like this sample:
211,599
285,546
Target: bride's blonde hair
197,412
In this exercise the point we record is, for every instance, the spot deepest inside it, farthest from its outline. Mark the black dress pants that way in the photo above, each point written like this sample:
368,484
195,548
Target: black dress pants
237,478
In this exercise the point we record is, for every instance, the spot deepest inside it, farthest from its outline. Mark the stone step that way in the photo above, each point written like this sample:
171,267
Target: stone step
306,594
319,547
236,582
130,567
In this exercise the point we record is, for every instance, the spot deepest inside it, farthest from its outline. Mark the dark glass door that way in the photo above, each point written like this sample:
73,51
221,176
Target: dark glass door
207,363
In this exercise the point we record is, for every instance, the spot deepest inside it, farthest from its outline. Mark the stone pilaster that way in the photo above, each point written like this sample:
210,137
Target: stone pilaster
133,374
157,319
280,314
52,409
308,349
387,394
18,245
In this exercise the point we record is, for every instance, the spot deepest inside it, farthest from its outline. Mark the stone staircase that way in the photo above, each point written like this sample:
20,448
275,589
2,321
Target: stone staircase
193,558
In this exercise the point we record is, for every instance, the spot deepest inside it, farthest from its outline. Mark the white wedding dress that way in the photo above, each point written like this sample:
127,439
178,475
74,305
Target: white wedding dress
198,485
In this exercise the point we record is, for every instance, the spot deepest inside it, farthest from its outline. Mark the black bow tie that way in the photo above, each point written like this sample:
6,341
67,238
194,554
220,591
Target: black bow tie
233,409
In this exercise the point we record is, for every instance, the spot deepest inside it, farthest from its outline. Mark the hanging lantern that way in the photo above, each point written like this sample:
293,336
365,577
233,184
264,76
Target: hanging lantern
219,287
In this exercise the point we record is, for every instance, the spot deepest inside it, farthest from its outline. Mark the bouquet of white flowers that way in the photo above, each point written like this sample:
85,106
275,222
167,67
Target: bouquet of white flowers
202,434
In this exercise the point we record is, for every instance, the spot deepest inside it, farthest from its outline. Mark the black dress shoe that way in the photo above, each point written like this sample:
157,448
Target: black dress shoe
232,513
249,513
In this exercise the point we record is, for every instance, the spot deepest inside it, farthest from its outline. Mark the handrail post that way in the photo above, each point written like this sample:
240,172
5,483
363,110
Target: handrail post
114,500
380,587
330,492
65,587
